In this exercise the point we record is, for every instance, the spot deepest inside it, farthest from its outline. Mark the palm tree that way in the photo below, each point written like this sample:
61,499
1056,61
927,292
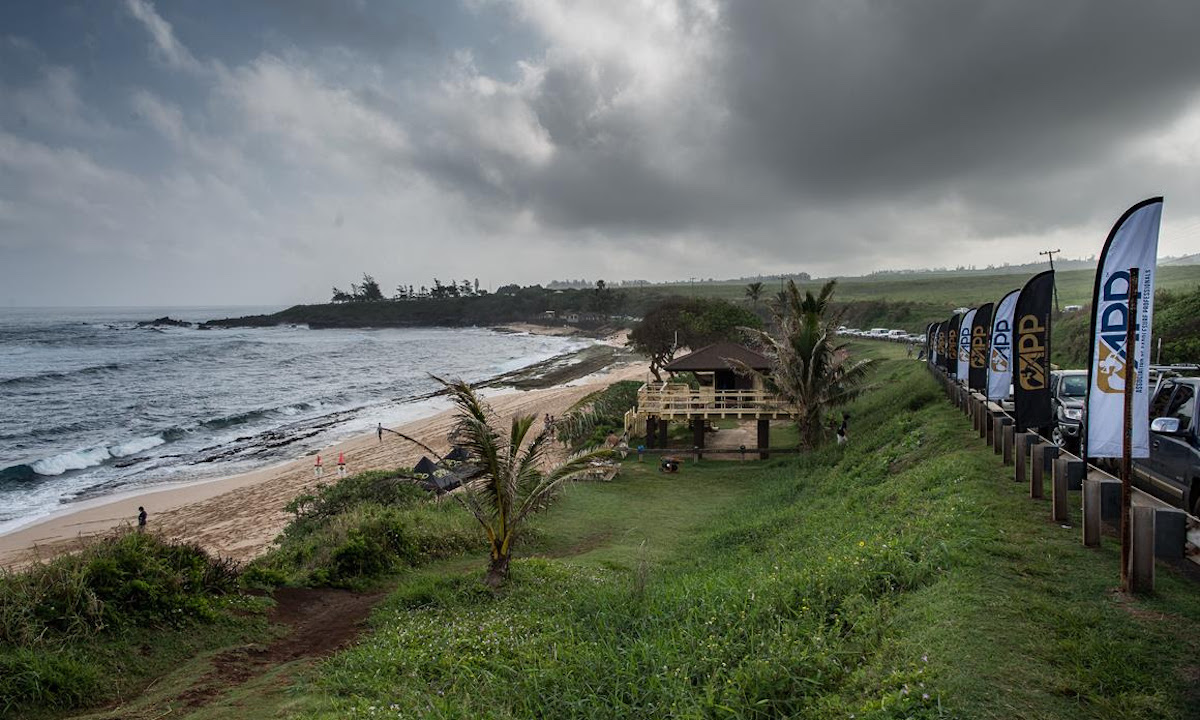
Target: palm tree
512,482
754,291
810,370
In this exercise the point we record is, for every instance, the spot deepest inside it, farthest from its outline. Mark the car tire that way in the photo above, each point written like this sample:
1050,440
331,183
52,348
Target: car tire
1058,437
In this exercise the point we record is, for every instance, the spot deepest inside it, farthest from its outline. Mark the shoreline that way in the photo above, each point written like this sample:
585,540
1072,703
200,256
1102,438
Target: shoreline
239,515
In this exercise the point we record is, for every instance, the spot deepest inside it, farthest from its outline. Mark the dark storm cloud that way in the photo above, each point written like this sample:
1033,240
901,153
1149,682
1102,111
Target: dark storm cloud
1010,108
536,137
875,98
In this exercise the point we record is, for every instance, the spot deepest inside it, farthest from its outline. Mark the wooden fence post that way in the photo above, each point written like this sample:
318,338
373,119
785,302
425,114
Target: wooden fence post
1022,455
1141,556
1091,512
1058,491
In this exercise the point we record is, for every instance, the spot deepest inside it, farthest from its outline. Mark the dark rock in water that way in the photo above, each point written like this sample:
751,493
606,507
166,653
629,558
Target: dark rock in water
164,321
126,462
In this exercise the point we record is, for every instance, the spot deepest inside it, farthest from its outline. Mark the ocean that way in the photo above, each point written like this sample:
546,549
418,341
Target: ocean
93,405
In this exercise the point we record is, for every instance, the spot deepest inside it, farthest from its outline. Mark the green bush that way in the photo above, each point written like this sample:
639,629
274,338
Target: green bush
359,530
54,616
134,578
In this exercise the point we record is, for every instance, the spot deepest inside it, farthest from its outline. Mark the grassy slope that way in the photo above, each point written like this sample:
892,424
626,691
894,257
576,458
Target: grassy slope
904,575
949,291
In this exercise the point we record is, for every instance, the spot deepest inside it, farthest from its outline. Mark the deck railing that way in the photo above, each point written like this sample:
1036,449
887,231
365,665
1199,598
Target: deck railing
675,400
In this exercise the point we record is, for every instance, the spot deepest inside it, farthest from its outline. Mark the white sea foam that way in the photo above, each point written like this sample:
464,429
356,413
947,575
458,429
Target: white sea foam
77,460
133,447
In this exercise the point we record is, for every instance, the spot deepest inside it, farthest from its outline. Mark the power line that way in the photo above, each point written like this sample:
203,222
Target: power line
1050,254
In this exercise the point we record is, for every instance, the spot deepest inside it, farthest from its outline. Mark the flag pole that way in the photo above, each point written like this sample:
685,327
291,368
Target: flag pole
1127,449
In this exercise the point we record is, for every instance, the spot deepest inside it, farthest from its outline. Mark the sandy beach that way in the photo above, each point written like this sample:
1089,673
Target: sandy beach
239,516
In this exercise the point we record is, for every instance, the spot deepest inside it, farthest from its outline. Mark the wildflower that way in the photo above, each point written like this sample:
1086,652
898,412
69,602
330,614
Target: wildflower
924,696
925,658
862,543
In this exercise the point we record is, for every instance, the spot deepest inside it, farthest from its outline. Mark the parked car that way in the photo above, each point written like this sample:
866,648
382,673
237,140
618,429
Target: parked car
1068,391
1172,472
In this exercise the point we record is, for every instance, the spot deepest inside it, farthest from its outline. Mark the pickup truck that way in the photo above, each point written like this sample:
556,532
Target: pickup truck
1172,472
1068,390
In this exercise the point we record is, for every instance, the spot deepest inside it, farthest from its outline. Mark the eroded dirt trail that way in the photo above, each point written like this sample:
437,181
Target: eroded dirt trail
319,622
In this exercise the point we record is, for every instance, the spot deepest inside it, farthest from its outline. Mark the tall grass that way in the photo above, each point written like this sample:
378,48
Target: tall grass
354,532
65,625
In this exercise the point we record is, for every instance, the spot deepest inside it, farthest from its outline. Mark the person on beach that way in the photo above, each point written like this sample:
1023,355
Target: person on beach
318,471
141,519
341,464
379,431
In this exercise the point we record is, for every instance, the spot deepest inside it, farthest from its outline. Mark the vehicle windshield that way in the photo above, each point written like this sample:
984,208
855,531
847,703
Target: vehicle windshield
1074,386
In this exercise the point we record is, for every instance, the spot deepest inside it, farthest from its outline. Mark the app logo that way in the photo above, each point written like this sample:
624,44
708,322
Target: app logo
979,347
1112,365
1001,347
1031,353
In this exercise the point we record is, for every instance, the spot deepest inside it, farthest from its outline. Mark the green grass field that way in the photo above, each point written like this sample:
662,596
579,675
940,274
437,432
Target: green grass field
1074,287
904,575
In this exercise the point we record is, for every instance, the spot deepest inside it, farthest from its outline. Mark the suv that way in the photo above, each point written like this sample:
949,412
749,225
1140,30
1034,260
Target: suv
1172,472
1068,390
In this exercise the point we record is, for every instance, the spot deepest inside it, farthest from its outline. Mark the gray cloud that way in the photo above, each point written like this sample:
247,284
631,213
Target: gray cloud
692,138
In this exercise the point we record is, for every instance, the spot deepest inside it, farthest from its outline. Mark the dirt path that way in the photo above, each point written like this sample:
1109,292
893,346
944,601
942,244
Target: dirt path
320,622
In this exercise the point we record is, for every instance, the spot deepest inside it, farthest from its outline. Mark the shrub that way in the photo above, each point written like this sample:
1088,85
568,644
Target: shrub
54,615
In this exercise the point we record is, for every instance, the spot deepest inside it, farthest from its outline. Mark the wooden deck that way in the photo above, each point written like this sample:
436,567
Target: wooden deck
674,401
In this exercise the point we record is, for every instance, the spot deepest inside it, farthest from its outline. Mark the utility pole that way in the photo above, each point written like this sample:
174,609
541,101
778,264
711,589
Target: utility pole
1050,254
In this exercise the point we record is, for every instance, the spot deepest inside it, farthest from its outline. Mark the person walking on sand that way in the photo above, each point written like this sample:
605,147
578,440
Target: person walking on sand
341,464
141,519
379,431
318,471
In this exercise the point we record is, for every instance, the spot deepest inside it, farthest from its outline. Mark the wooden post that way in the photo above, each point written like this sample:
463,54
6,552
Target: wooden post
990,421
764,438
1058,491
1091,512
663,426
1141,556
1022,455
698,432
1009,439
652,431
1044,454
1037,464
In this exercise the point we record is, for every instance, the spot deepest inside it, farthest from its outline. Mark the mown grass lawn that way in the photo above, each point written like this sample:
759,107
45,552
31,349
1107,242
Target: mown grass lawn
903,575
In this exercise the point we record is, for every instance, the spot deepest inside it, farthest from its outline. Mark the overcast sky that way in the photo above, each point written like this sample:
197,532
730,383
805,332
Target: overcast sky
262,151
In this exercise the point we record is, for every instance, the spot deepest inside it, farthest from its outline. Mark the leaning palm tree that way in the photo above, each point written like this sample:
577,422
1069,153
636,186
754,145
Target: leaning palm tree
512,482
810,369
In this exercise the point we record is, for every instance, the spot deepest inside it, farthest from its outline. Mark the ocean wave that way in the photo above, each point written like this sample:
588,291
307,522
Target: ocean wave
233,420
133,447
16,474
85,458
75,460
57,376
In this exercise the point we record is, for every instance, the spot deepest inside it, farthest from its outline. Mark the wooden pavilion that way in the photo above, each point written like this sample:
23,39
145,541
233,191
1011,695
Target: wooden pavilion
722,391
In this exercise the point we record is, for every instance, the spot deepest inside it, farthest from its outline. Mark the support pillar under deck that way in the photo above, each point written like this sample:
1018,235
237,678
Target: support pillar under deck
764,438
